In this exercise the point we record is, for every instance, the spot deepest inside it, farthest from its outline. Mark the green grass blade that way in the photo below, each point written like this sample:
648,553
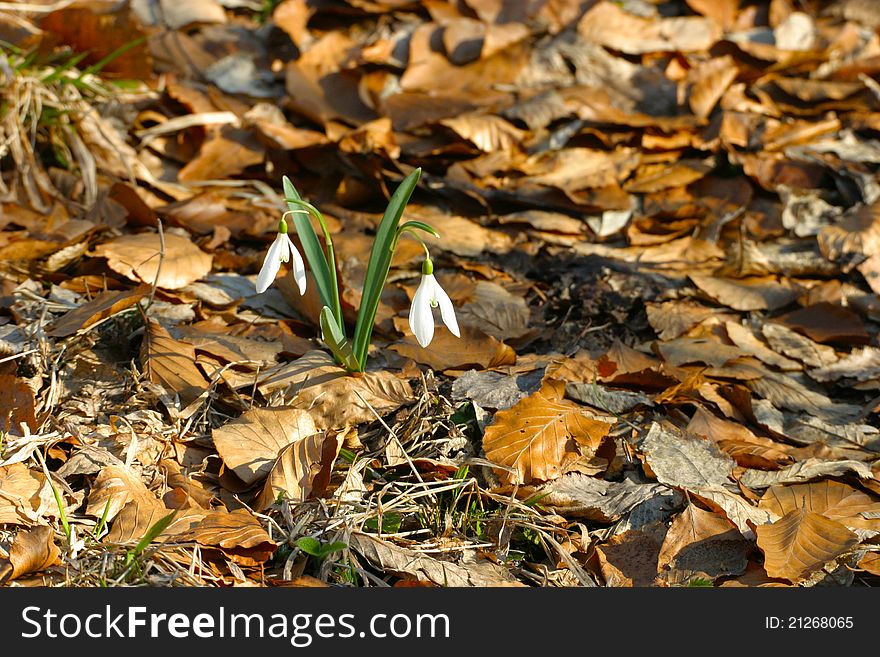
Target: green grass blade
103,522
121,50
380,263
157,528
59,71
312,249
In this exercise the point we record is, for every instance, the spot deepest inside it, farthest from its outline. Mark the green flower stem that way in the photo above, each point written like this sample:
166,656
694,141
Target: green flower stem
333,303
411,227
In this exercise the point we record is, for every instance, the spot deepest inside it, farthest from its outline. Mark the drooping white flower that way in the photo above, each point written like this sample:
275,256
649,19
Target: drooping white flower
281,251
430,295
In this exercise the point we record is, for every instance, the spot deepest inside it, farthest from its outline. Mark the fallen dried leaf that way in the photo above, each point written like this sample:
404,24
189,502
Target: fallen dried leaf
800,543
539,437
172,364
702,544
302,469
251,444
104,305
140,258
408,563
32,551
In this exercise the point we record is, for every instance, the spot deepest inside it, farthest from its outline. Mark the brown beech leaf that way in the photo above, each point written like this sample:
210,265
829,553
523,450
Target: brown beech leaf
736,440
20,493
137,516
171,364
473,349
411,564
607,24
116,486
237,534
539,436
333,397
487,132
302,469
104,305
656,177
16,405
630,559
250,444
578,495
32,551
871,563
801,542
834,500
708,82
227,153
702,544
723,12
827,322
756,293
746,340
138,257
797,346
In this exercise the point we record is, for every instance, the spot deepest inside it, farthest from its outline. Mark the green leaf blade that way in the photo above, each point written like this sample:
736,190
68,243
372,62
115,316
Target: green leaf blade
380,264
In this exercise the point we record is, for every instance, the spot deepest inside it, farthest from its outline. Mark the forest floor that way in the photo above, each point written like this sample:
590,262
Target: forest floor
659,227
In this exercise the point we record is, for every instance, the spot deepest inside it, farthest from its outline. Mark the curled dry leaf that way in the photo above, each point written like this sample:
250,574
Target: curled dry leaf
32,551
756,293
302,469
608,24
746,340
736,440
446,352
797,346
411,564
675,318
250,444
16,405
702,544
171,364
487,132
237,534
104,305
836,501
807,470
20,494
116,486
333,397
630,559
708,82
541,435
685,461
801,542
139,258
581,496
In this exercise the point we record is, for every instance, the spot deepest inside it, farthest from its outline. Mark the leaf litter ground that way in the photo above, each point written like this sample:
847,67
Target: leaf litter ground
659,227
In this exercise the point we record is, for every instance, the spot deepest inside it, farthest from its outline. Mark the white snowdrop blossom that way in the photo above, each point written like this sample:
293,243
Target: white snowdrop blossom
430,295
281,251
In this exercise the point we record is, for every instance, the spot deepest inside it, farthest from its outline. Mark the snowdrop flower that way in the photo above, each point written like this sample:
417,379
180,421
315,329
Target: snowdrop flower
280,251
430,295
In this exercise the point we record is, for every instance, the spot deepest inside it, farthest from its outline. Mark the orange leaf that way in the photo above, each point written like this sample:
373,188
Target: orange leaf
540,435
802,542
